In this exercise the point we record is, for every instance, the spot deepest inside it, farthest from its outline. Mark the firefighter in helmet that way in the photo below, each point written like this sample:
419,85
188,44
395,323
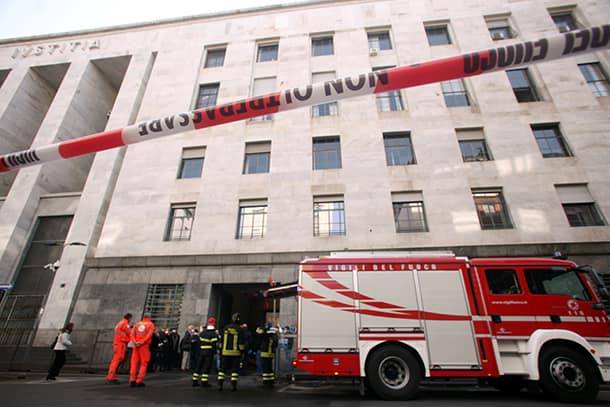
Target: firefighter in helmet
231,350
208,343
267,346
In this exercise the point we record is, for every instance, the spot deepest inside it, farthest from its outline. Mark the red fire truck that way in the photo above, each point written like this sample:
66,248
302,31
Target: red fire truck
393,319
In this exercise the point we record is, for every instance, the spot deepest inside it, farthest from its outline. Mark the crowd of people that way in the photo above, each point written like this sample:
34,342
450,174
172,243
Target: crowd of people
230,351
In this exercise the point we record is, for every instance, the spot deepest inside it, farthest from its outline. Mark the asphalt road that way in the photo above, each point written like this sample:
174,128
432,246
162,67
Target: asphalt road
176,390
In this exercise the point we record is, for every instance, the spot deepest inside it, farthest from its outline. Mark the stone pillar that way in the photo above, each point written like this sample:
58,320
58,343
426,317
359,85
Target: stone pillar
95,199
18,210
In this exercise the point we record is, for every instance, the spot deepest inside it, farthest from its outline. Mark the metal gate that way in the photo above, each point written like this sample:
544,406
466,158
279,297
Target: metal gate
18,318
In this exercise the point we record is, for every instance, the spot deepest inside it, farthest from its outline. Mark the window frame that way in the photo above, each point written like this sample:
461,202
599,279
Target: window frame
243,204
423,220
249,155
267,44
594,213
206,64
602,73
322,140
395,136
531,86
198,96
170,221
564,13
504,213
488,156
558,136
453,92
320,37
437,27
515,275
316,215
378,32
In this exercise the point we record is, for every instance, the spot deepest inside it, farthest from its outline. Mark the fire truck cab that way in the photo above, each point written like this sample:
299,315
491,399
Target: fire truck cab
393,319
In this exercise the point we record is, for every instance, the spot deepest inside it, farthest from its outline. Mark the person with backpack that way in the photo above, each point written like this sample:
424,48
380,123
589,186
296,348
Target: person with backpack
60,346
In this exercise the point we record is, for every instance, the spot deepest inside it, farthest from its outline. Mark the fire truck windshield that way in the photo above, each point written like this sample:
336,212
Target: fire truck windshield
556,281
595,281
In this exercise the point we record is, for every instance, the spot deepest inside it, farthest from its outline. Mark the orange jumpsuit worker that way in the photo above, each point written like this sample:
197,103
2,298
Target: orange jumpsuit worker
122,336
141,336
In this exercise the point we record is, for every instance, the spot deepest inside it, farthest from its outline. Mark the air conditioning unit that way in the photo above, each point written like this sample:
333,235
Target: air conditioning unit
373,52
497,35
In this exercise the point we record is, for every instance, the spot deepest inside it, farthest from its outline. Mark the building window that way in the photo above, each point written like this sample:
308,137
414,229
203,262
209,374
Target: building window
252,219
180,224
438,35
579,205
454,92
596,78
564,22
328,216
550,141
379,40
409,213
472,145
208,94
322,46
398,148
267,52
260,87
326,153
324,109
522,85
502,282
191,164
215,58
499,29
257,158
491,208
164,304
388,101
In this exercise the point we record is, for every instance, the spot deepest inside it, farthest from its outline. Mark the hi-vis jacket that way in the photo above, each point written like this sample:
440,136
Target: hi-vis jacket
208,342
142,332
233,343
268,344
122,332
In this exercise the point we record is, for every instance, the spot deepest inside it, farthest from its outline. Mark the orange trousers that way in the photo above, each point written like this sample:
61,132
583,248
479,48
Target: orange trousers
117,358
139,356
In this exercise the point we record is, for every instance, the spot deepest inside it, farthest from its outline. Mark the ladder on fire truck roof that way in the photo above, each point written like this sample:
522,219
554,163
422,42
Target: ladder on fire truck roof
389,253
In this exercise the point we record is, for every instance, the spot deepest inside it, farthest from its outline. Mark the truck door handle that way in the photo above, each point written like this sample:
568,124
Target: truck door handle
556,319
496,318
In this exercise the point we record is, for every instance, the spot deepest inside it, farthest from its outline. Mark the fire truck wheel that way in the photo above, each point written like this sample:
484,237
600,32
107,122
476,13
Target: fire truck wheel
393,373
567,375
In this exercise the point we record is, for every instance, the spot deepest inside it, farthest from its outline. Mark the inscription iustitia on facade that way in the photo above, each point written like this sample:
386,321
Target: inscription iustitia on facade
55,48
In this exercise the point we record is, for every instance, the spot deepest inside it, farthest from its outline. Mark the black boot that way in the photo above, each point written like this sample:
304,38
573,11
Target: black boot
220,385
204,384
195,383
234,385
132,384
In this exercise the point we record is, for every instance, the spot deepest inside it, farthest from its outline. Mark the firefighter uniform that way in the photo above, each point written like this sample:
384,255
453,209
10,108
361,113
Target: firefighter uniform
233,346
122,336
141,336
208,343
267,347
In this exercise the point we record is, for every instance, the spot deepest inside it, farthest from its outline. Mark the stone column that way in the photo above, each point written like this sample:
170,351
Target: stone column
95,199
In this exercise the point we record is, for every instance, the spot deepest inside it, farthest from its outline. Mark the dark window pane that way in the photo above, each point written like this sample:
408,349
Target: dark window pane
380,40
492,210
438,35
455,93
191,168
583,214
550,141
256,163
180,223
564,22
500,33
522,86
328,218
389,101
410,217
474,150
207,95
398,149
502,282
322,46
215,58
326,109
596,78
556,281
326,153
267,53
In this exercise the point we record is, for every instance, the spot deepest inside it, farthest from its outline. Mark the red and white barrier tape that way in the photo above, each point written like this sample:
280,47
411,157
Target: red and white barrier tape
460,66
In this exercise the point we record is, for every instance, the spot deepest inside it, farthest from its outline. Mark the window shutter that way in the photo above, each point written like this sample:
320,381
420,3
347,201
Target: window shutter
193,152
470,134
408,196
263,86
328,198
258,147
575,193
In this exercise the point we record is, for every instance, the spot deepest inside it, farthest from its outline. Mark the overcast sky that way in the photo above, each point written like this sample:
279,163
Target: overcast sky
19,18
